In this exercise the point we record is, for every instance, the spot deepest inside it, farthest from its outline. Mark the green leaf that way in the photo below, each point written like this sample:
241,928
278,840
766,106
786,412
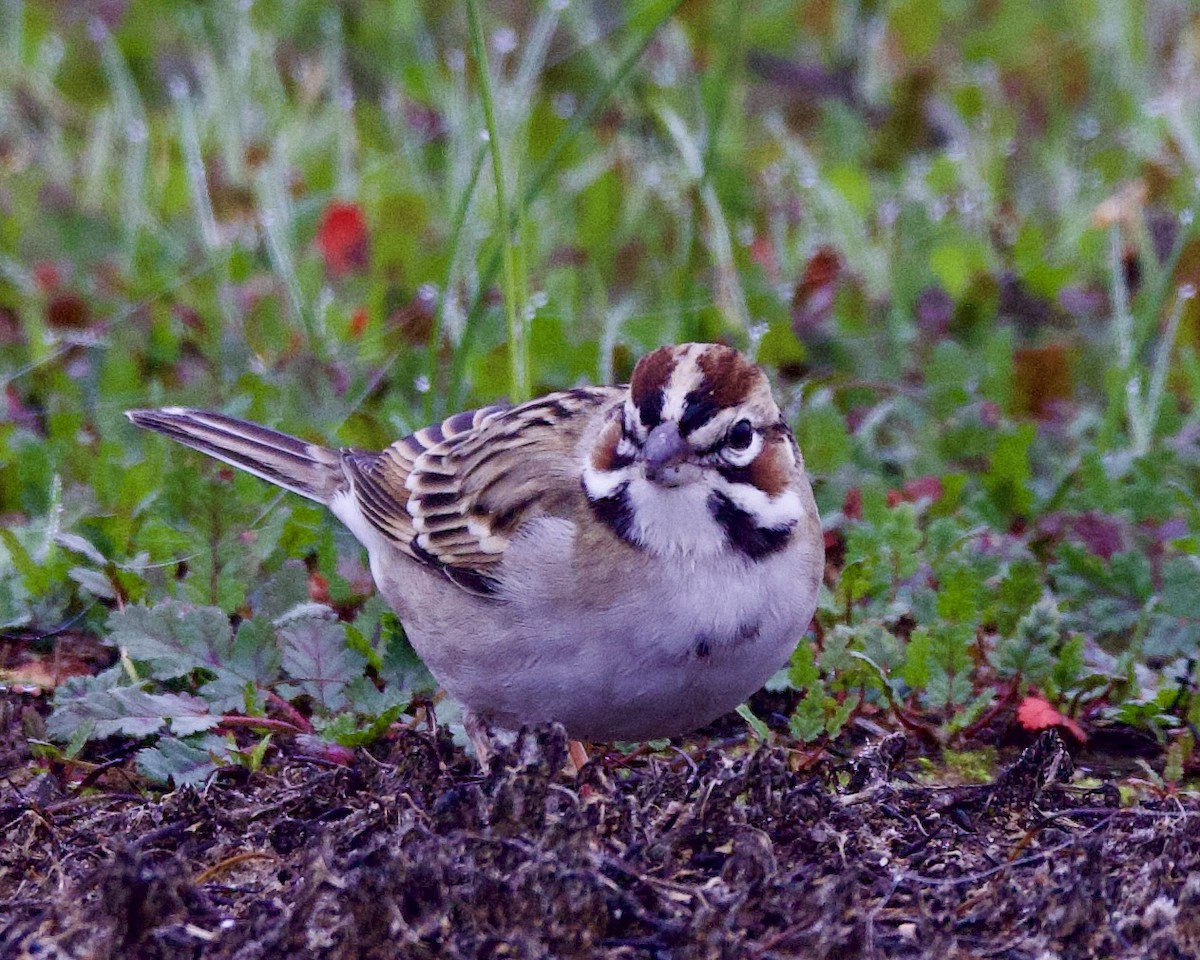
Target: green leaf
1068,668
802,671
132,712
363,696
1020,589
345,730
960,591
182,762
172,638
841,714
948,374
756,725
835,656
917,656
286,590
822,435
1180,595
317,659
93,581
807,722
1007,478
253,664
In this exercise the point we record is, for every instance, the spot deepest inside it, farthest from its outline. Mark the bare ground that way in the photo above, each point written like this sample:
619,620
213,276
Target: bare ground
723,852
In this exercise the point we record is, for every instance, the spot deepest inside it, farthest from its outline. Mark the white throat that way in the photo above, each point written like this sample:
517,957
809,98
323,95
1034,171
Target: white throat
674,520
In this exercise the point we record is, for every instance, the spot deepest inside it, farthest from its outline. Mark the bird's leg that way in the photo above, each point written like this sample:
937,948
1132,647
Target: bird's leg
577,753
480,735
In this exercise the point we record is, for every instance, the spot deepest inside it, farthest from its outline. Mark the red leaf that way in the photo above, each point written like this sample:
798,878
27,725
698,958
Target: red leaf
763,253
329,752
318,588
342,239
915,490
812,303
358,322
1037,713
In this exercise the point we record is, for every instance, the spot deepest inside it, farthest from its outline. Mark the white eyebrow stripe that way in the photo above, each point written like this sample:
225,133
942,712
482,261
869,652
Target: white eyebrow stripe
685,378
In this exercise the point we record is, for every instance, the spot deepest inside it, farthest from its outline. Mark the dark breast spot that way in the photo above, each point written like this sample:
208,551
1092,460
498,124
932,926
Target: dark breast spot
704,644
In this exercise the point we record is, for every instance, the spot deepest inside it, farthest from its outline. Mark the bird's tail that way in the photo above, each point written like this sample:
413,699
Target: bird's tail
305,468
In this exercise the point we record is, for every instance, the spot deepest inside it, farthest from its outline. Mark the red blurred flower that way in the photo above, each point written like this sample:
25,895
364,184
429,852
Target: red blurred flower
342,239
47,276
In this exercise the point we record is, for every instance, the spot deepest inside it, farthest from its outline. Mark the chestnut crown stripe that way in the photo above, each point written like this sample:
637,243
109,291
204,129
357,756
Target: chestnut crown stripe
648,388
726,380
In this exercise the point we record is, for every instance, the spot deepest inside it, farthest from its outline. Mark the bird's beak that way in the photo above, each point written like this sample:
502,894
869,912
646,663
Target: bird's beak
664,453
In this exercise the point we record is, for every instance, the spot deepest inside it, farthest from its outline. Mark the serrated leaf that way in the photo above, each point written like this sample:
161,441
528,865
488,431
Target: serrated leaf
1013,657
1068,667
344,729
802,671
1019,590
400,668
172,638
283,592
1168,637
253,663
364,697
182,762
807,721
70,713
317,659
960,591
902,538
841,714
1180,595
834,652
131,712
93,581
1007,478
917,655
309,610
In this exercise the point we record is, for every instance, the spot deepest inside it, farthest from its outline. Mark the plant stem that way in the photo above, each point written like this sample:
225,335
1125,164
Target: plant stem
535,183
435,335
514,301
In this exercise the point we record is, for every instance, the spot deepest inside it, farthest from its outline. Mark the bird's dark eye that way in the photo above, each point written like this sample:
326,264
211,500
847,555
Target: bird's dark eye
740,436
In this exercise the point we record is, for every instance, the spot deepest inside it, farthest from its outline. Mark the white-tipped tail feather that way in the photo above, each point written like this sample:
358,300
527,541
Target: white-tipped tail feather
305,468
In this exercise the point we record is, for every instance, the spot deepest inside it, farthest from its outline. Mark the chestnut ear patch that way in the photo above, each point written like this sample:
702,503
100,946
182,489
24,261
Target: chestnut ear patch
605,455
770,471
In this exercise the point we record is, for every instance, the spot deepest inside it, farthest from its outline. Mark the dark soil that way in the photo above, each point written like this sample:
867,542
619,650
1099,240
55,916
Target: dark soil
728,852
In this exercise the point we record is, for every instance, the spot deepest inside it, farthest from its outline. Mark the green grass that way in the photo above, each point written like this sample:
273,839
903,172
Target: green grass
960,235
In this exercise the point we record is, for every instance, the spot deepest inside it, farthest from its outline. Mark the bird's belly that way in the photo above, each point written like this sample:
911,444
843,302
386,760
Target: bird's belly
649,663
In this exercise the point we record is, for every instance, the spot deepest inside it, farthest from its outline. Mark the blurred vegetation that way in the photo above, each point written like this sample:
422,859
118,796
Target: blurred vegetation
960,234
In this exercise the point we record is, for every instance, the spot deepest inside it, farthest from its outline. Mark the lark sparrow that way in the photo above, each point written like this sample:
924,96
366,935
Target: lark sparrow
629,561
